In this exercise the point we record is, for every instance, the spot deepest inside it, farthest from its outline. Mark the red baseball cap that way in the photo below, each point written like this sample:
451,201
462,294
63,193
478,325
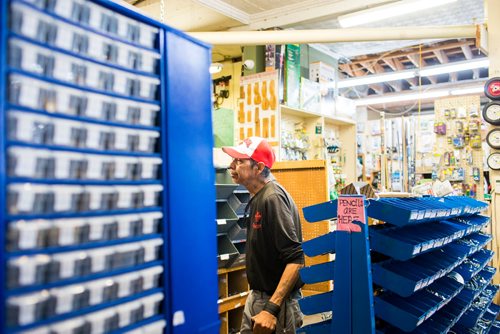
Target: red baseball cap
255,148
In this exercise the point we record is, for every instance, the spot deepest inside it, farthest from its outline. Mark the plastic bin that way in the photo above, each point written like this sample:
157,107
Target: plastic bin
69,165
152,304
69,265
69,231
151,222
28,198
28,234
151,194
226,252
71,298
100,321
28,162
149,168
27,309
151,277
29,128
27,270
152,249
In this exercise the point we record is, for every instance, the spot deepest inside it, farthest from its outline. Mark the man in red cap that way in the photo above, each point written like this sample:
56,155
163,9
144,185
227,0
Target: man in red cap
274,252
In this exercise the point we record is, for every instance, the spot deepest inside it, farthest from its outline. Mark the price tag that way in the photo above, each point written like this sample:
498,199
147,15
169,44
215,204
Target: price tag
224,257
221,222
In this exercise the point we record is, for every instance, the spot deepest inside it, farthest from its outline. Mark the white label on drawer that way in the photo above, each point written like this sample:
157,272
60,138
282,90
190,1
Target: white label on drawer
178,318
224,257
96,231
63,303
120,170
27,239
421,215
27,314
414,215
27,273
66,235
98,263
67,268
221,222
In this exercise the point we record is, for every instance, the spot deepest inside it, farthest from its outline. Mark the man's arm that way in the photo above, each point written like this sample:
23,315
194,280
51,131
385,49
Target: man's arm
265,322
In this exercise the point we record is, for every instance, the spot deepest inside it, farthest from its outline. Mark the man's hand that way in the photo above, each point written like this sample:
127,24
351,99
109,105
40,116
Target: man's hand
264,323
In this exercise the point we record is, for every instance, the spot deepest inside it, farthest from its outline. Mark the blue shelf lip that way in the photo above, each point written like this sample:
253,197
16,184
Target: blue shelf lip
139,324
85,311
394,309
82,150
36,288
110,183
87,246
13,35
14,107
87,28
83,214
471,316
11,70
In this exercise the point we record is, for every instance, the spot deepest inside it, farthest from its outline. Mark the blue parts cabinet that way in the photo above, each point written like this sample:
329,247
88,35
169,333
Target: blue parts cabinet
105,138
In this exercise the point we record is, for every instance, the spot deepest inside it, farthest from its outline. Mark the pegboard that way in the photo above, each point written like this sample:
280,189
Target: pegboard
306,181
458,114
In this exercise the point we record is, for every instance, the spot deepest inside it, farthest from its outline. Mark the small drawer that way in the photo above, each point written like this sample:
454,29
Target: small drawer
102,258
125,312
128,284
73,326
124,139
152,194
147,141
151,277
69,165
28,234
129,225
102,197
149,88
126,168
67,232
28,162
104,321
100,167
28,270
152,304
149,115
151,222
102,290
29,128
69,198
129,197
149,168
102,228
152,249
68,133
128,255
72,264
28,198
98,136
71,298
27,309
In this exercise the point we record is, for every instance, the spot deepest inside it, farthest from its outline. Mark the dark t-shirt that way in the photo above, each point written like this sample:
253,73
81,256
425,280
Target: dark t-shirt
274,237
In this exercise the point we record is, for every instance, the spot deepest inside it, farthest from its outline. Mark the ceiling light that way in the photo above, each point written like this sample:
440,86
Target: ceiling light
455,67
215,68
371,79
418,96
387,11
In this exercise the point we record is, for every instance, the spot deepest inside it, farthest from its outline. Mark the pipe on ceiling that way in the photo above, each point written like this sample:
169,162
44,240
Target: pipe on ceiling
334,35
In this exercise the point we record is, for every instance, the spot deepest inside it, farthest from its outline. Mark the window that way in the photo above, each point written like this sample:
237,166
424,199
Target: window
133,32
79,73
106,80
45,65
80,43
78,105
109,23
135,60
80,13
110,52
46,32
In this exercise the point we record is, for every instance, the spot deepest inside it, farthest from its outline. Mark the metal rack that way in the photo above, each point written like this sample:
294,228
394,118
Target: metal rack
431,272
100,162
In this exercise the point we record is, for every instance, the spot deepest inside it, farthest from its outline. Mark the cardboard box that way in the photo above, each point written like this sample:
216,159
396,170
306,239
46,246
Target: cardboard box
310,95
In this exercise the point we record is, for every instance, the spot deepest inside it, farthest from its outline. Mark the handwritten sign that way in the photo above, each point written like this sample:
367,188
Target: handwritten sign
350,209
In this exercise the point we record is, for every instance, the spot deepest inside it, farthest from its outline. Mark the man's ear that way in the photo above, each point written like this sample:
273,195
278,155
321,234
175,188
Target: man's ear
260,166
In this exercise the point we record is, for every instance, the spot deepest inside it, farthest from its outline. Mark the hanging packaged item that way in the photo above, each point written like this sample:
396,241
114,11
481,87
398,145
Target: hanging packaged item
440,128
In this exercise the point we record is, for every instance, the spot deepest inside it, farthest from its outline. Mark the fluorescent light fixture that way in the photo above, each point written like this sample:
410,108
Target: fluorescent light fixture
467,90
454,67
387,11
215,68
371,79
418,96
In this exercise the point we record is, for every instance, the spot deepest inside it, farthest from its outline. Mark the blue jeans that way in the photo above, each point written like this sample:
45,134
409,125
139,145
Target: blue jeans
289,319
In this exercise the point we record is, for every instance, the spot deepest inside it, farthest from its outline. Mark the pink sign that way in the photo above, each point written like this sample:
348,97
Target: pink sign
349,209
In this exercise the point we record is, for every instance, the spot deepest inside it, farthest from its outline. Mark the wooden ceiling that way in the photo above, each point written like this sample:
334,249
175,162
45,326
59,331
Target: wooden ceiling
416,57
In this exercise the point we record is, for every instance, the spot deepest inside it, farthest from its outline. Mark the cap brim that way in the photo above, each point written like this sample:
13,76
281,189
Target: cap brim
234,153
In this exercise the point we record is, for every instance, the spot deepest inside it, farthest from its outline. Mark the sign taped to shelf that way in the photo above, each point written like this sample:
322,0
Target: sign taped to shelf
350,209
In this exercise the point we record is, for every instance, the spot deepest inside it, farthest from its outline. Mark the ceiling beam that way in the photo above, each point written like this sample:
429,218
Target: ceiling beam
376,68
418,61
468,55
396,65
226,10
304,11
443,59
400,54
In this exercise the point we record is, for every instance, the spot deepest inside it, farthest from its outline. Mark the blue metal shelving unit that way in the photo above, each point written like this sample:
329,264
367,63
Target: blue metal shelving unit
433,276
106,145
